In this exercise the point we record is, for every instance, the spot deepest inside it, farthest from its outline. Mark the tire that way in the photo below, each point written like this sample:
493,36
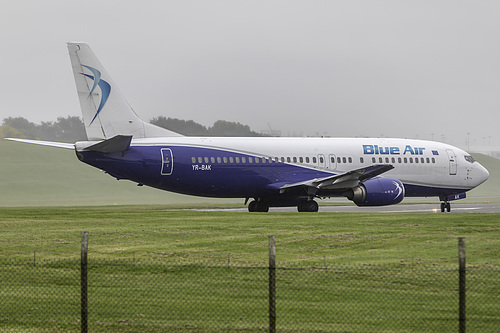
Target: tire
262,207
252,206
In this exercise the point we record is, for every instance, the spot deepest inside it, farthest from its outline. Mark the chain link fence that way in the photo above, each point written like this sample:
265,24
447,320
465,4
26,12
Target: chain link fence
167,296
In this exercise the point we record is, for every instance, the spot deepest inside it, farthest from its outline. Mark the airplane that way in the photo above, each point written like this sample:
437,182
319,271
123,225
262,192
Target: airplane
269,171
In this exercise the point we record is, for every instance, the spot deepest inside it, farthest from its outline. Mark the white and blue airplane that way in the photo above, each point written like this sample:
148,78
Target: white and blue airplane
273,172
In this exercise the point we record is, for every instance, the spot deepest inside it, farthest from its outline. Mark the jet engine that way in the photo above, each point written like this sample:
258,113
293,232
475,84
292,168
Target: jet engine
377,192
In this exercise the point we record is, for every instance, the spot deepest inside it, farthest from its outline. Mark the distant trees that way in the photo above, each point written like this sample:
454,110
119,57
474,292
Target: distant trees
189,127
184,127
71,129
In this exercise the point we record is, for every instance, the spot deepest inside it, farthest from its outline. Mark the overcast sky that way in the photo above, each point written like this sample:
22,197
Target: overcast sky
416,69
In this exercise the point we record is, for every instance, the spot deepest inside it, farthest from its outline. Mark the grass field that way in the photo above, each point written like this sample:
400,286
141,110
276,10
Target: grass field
365,272
386,272
135,231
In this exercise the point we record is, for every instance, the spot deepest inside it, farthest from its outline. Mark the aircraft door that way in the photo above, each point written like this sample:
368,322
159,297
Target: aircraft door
167,161
453,161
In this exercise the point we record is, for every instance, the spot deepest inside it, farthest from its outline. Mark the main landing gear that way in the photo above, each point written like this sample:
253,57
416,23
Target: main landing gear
263,207
308,206
258,206
445,206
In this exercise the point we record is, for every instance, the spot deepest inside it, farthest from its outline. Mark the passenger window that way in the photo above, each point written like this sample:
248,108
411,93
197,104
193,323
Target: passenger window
350,159
416,159
224,159
428,161
411,159
301,159
315,160
373,160
307,159
361,160
393,160
344,160
200,160
405,160
243,160
282,160
231,159
264,160
288,159
380,159
399,159
276,160
193,159
433,160
212,159
257,160
294,159
422,160
321,160
250,160
387,160
339,160
218,159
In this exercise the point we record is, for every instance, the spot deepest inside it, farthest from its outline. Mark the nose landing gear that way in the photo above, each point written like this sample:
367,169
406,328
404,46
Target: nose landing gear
445,206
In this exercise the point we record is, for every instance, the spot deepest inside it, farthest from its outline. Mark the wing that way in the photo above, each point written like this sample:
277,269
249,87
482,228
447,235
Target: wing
345,180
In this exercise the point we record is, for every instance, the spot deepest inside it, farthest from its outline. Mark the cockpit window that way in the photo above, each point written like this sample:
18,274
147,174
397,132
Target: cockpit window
469,158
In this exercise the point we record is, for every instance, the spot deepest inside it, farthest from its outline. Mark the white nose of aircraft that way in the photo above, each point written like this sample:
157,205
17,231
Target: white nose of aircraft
481,174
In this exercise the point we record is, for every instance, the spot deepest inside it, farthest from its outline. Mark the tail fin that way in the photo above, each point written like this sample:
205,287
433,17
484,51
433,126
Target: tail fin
105,111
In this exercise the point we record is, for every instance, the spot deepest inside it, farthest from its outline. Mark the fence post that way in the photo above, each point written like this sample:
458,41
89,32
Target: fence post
461,285
272,284
83,282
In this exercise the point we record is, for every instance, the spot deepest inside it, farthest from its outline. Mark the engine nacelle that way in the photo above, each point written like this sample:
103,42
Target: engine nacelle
377,192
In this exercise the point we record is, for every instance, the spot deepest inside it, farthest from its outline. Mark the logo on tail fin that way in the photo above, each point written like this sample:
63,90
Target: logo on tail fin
103,85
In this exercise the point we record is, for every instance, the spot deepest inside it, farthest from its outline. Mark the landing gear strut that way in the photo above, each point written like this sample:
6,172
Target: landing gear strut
445,206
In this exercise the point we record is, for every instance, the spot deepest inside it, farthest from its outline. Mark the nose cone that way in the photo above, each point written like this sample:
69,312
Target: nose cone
481,174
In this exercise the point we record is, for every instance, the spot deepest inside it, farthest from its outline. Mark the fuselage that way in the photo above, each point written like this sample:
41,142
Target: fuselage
229,167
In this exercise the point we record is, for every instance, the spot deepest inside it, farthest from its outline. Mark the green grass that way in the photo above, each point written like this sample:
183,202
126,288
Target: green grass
153,270
306,238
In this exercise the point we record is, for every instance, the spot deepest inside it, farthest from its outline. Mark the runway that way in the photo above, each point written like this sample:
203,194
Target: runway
484,207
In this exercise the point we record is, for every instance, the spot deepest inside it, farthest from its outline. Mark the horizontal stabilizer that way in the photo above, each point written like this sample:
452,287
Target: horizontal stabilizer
118,143
45,143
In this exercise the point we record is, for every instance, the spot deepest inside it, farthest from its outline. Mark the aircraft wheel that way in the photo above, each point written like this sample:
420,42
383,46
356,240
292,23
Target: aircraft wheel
312,206
308,206
445,206
262,207
252,206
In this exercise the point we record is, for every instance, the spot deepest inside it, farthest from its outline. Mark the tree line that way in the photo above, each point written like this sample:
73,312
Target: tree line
71,128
